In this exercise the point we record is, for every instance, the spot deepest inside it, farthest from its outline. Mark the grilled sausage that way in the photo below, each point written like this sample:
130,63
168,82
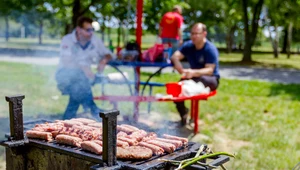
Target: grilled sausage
99,142
138,135
69,140
96,125
131,142
184,140
83,120
70,123
39,135
92,147
177,143
169,148
130,127
124,129
155,149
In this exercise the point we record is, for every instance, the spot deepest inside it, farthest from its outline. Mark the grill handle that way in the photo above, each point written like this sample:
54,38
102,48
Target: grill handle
16,117
109,136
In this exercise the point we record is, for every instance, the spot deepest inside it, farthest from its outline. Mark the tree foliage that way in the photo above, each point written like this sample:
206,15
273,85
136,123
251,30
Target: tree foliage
234,22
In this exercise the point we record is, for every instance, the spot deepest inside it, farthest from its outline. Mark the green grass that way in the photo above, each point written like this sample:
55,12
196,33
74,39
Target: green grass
262,60
258,121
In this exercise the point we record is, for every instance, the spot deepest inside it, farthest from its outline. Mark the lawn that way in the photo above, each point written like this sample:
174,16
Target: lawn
257,121
262,61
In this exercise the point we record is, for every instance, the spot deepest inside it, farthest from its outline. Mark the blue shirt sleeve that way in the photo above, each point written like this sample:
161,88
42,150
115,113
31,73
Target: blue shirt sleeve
212,55
184,49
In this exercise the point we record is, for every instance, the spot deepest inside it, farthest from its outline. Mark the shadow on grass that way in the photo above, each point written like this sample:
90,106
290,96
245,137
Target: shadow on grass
255,64
147,74
291,90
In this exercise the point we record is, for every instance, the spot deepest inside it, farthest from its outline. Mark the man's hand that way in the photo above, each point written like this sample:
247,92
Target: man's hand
187,73
88,72
90,75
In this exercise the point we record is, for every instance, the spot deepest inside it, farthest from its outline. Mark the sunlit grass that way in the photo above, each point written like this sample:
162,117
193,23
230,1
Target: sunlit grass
262,60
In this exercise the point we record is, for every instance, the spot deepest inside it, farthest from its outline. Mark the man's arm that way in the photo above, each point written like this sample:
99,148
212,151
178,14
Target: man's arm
176,57
66,56
207,70
180,36
180,23
103,62
107,56
88,72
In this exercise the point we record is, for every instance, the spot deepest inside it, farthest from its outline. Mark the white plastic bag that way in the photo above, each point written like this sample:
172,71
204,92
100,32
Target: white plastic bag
191,88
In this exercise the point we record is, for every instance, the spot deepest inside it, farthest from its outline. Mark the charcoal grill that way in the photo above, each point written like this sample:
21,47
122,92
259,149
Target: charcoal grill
23,153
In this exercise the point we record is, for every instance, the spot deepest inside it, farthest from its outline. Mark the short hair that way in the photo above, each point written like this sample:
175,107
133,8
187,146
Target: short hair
177,8
203,26
82,20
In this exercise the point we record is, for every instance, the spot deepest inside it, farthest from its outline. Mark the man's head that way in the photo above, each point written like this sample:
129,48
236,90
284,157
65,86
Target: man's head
198,33
177,9
84,28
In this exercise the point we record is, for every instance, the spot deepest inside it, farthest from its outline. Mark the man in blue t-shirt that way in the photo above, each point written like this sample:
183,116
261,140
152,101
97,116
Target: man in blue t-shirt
202,56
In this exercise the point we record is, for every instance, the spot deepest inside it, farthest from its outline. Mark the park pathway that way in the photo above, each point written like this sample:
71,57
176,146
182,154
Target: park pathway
287,76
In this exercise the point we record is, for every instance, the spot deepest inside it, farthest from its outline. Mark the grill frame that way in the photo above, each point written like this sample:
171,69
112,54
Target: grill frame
21,152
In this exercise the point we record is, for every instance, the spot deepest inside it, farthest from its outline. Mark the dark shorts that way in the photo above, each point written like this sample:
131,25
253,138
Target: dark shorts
208,81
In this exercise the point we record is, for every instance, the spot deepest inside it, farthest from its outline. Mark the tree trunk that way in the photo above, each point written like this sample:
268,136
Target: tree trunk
108,34
250,35
289,42
285,41
247,51
68,28
76,13
124,34
41,32
274,41
6,29
229,39
119,34
228,43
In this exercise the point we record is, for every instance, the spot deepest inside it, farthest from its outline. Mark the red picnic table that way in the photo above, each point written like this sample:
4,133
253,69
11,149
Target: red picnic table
194,102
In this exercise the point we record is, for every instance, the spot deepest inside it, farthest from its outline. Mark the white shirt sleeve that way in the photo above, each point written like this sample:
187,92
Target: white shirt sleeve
102,50
66,57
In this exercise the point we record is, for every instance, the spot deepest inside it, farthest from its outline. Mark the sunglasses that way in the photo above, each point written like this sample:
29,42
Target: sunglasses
196,33
90,30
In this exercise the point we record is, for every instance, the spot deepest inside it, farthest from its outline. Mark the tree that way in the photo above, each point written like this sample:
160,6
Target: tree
251,15
231,15
8,6
76,8
38,16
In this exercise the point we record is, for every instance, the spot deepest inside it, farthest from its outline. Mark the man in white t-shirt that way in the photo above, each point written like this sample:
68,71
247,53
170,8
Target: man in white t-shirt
78,51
